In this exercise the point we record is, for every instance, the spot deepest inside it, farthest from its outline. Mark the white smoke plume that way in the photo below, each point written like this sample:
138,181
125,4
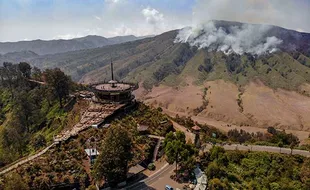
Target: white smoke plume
247,38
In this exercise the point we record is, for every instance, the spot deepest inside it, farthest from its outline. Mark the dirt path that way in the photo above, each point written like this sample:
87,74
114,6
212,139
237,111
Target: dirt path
26,159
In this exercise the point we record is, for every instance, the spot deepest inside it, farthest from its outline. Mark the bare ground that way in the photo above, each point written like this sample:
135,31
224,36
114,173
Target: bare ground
259,106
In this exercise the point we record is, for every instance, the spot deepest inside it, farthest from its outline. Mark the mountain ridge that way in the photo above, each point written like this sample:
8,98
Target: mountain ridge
185,79
44,47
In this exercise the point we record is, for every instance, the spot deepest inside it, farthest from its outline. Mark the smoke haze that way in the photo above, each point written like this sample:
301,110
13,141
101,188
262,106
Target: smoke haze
247,38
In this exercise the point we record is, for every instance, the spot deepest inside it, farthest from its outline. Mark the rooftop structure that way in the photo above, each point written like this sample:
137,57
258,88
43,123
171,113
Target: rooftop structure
142,128
91,152
113,91
196,128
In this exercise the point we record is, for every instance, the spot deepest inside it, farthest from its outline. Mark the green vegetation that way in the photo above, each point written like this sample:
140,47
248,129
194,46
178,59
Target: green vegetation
255,170
205,102
208,133
29,113
67,164
15,181
273,137
157,122
112,163
179,152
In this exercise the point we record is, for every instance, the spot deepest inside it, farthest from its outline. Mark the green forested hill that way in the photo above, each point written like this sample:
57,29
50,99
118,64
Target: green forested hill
30,113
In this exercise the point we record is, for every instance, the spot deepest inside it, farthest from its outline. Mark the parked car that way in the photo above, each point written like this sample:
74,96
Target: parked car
168,187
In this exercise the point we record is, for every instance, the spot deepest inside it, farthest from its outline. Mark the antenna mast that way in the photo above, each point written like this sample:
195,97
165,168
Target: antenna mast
112,69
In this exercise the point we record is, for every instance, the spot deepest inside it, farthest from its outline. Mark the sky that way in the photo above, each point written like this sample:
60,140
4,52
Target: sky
66,19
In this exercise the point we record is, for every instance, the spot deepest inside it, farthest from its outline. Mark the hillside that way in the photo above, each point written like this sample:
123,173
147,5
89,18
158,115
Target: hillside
43,47
17,56
250,75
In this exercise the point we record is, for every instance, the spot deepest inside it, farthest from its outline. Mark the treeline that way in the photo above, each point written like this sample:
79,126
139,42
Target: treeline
30,100
208,133
211,134
273,136
255,170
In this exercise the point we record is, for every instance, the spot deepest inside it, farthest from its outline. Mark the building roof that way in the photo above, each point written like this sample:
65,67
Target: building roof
201,179
91,152
196,128
135,170
117,86
142,127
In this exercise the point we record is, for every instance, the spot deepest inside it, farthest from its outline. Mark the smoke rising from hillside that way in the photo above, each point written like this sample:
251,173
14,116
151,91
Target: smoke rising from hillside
247,38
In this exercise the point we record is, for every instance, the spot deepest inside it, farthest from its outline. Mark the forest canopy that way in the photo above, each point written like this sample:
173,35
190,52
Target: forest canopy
31,108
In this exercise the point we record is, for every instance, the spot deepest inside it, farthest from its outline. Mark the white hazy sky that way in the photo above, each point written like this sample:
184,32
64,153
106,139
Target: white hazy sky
65,19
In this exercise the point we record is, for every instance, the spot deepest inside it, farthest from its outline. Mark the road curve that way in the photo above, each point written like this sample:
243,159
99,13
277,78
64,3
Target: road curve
142,184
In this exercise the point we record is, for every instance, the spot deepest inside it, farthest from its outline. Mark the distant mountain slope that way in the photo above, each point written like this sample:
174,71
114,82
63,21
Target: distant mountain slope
43,47
238,73
17,56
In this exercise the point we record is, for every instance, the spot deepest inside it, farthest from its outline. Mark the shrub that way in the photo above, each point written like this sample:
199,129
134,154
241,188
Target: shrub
151,166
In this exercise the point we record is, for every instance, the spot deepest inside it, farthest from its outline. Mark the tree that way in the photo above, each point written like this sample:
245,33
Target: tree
36,73
216,152
23,108
25,69
294,142
38,141
15,181
214,171
172,151
272,130
178,151
42,183
216,184
112,163
14,136
58,82
280,145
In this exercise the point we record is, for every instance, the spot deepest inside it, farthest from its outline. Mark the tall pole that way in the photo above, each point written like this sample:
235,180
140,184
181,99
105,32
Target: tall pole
112,69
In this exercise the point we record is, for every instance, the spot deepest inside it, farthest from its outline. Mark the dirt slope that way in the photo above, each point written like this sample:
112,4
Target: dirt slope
259,106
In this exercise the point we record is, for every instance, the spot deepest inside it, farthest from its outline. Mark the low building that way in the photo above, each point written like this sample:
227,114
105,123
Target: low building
143,129
201,178
92,154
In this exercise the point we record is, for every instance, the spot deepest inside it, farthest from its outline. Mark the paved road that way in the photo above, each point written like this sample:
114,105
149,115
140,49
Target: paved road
143,184
190,135
261,149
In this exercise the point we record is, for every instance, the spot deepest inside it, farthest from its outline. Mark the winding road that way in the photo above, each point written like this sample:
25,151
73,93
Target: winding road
143,184
166,169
